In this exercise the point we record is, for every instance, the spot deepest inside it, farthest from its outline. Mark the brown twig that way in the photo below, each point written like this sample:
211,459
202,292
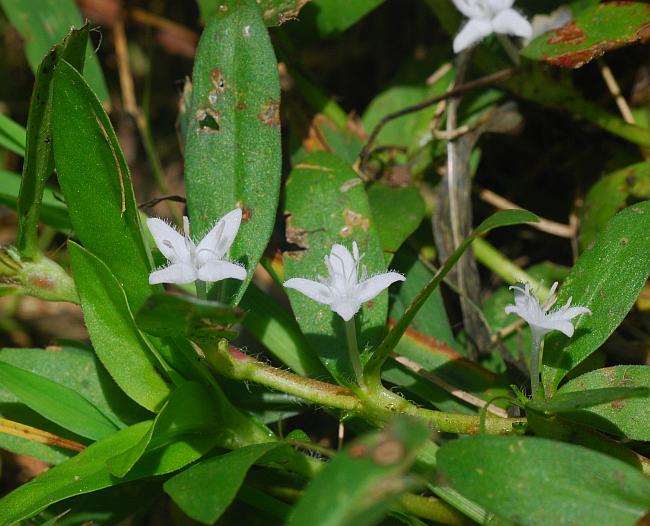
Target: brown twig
131,106
545,225
458,393
467,86
37,435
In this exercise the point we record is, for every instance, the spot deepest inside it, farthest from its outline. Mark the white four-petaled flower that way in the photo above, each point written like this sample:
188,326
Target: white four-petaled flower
538,317
486,17
205,261
344,289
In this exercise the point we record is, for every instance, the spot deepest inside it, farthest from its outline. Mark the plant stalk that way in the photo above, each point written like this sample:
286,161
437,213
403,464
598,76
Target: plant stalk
353,351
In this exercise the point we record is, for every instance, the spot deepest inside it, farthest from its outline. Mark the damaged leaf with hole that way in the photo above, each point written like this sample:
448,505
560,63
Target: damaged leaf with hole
234,158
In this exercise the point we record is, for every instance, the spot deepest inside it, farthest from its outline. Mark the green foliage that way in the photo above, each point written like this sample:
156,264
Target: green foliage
56,402
115,336
601,28
597,281
611,193
96,184
535,481
205,490
360,484
42,24
343,215
39,159
12,135
621,418
234,132
173,400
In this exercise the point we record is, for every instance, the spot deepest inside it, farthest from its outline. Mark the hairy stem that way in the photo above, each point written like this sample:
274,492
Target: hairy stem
201,289
535,357
377,404
353,351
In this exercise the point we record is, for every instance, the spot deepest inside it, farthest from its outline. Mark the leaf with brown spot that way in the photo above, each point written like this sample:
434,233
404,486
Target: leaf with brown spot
593,33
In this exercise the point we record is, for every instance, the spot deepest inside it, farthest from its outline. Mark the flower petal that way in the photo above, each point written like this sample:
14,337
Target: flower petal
346,308
216,270
218,241
570,312
499,5
563,326
312,289
168,240
368,289
512,23
474,31
341,260
180,273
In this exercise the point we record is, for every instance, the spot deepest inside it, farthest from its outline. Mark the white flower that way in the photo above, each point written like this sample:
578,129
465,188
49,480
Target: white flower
189,261
538,317
344,290
486,17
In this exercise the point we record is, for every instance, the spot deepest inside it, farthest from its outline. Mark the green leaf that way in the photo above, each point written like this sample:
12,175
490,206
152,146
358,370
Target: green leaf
325,205
611,193
274,12
205,490
360,483
432,319
570,401
171,315
56,402
278,331
96,184
595,31
87,471
445,366
535,481
409,87
388,203
234,131
498,219
606,279
324,18
116,339
53,212
622,418
77,368
39,160
12,135
188,411
44,23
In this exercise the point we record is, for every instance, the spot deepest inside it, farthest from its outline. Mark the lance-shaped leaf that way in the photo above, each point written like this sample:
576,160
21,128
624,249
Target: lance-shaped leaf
274,12
535,481
116,339
499,219
606,279
12,135
232,149
595,31
622,418
327,204
56,402
87,471
96,183
39,159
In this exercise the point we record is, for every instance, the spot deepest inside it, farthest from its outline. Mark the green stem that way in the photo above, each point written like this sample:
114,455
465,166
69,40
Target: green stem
201,290
535,357
489,256
377,405
510,49
353,351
